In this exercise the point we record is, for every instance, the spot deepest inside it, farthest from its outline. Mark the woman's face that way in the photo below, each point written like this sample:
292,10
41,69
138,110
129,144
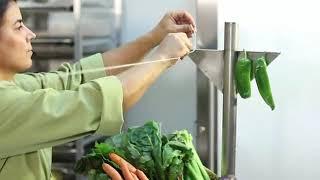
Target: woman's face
15,42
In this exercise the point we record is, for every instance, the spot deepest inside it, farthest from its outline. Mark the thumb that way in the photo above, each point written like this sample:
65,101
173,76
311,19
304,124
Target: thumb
186,28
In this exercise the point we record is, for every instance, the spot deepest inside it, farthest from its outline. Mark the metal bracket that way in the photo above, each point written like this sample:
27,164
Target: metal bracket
211,62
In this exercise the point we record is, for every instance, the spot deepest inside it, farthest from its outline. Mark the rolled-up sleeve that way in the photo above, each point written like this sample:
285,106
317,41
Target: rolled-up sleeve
66,77
43,118
112,116
94,66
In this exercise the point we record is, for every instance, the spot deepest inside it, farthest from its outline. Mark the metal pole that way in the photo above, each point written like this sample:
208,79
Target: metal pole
78,51
229,103
213,128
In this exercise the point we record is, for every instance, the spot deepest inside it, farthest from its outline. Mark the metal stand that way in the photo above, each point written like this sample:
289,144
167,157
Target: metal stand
218,66
207,98
78,51
229,101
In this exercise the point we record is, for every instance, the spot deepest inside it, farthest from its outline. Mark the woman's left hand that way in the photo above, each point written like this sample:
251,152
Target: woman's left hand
173,22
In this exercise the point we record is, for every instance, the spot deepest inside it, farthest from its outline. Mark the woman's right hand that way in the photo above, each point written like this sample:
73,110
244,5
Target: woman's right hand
174,45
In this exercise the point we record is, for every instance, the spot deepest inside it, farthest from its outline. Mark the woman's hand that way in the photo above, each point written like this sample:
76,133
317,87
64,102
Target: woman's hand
128,171
174,22
174,45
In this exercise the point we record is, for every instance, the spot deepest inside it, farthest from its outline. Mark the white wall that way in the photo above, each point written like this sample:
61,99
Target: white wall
171,100
283,144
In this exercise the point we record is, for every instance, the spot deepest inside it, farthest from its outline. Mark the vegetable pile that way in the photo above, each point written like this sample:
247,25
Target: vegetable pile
159,156
246,70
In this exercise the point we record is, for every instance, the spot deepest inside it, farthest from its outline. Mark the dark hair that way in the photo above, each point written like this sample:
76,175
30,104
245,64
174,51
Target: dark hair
3,8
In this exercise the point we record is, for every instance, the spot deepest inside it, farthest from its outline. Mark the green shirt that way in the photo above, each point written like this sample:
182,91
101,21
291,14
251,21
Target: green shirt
41,110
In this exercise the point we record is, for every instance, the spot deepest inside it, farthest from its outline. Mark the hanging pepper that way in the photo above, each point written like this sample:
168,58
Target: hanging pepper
262,81
243,76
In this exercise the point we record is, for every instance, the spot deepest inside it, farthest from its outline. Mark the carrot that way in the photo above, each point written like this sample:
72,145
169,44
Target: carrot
135,177
141,175
110,171
117,159
125,171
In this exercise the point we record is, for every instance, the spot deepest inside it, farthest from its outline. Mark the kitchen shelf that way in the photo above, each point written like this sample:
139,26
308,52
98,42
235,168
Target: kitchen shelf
32,7
62,48
53,41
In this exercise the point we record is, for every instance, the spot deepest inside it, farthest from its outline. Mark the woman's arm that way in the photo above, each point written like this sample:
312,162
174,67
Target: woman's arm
172,22
137,80
66,77
129,53
47,117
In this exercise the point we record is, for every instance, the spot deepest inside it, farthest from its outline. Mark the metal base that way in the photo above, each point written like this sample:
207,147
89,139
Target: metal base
230,177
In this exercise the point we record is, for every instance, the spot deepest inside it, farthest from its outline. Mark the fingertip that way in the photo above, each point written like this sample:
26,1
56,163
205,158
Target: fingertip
190,29
195,29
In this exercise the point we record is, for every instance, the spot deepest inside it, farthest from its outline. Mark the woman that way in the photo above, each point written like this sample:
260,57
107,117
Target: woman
41,110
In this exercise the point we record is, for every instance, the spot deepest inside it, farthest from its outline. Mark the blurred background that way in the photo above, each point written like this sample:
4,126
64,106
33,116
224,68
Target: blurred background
279,144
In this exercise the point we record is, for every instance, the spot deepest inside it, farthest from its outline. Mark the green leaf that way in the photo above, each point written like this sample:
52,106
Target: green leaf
103,149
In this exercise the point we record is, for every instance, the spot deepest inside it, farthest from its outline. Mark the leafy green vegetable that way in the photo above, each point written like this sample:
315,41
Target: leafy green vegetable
161,157
193,164
95,175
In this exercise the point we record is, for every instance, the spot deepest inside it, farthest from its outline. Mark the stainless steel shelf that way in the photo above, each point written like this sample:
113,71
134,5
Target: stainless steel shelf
62,47
53,41
44,7
32,7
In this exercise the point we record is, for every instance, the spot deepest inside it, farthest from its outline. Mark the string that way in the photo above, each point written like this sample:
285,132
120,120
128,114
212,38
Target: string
123,66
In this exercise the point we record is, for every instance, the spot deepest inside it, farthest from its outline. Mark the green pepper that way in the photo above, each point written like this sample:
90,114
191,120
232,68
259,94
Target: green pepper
262,81
243,76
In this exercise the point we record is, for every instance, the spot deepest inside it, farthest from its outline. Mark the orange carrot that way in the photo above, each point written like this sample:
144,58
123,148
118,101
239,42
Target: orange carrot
141,175
135,177
110,171
117,159
125,171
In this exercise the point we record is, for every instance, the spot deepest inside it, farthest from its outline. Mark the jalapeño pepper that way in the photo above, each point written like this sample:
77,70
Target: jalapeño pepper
262,81
243,76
